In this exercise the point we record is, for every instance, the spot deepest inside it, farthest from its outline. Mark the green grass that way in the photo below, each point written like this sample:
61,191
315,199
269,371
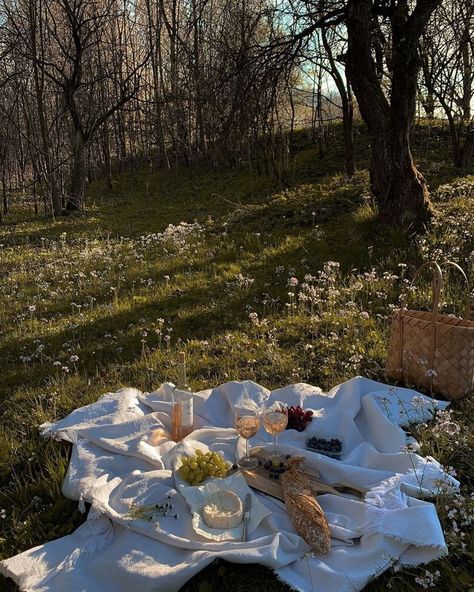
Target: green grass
98,285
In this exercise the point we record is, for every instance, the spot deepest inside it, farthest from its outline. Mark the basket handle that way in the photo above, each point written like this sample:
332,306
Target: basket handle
437,285
467,310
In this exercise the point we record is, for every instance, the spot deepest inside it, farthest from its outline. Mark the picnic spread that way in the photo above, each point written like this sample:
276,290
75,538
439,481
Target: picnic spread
347,500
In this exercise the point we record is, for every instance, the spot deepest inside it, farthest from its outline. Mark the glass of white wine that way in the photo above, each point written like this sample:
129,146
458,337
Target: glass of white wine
275,420
247,422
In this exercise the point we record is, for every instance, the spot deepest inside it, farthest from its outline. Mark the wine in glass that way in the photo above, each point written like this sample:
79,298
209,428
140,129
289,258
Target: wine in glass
247,422
275,420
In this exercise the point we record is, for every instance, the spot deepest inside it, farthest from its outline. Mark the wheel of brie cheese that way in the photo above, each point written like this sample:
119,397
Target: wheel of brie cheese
222,509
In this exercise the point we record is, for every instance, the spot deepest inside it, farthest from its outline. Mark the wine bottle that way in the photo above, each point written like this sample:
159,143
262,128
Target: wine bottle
182,383
182,397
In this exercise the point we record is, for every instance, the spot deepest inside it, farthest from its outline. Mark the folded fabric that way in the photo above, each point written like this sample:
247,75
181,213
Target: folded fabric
122,458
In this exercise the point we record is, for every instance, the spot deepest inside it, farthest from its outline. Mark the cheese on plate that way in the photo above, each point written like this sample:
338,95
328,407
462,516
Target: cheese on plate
222,509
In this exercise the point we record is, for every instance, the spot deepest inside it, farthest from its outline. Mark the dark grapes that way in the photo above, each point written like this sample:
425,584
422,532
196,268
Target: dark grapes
332,448
298,418
275,468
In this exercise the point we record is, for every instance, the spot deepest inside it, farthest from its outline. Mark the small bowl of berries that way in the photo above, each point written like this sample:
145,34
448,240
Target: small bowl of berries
331,448
298,418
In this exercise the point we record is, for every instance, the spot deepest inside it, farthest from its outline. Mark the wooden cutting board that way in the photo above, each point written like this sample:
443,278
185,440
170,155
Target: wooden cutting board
259,479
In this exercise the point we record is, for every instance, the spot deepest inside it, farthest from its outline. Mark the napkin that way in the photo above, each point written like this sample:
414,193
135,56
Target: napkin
195,496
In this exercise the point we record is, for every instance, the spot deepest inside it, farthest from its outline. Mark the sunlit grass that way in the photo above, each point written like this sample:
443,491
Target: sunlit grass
93,303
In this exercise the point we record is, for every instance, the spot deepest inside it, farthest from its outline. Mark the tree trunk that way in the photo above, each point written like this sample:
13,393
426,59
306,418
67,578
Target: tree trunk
75,198
106,153
428,103
348,131
400,190
4,194
154,35
344,89
38,76
467,149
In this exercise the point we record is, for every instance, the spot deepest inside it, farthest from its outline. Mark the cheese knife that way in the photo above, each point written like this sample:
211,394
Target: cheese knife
246,516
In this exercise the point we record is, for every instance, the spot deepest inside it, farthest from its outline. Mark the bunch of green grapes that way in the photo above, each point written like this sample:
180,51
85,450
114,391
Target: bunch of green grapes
197,467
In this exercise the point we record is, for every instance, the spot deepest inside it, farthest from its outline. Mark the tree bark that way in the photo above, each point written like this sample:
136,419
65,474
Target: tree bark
75,198
38,76
348,131
467,149
399,188
345,93
107,158
4,194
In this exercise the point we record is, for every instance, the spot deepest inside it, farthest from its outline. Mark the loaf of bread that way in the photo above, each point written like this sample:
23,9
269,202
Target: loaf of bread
303,508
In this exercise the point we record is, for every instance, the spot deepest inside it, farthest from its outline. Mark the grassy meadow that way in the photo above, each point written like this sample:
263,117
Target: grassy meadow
184,259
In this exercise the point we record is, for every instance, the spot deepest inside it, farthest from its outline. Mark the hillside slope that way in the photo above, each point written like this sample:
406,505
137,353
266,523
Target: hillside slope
202,260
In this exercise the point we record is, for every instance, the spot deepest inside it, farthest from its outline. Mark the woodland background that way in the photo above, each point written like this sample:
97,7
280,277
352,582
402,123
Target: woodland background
169,168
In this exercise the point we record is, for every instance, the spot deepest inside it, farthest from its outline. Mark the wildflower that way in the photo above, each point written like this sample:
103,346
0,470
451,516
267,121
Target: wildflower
445,425
32,308
451,471
65,369
293,282
356,359
365,315
242,281
420,403
74,359
429,579
253,316
431,373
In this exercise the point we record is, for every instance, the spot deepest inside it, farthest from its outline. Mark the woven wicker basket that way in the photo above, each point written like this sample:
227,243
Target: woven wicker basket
432,350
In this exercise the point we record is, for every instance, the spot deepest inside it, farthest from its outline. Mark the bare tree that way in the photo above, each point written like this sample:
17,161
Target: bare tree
399,188
447,53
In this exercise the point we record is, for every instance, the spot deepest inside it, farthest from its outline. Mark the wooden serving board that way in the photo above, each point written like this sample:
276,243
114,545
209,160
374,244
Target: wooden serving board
259,479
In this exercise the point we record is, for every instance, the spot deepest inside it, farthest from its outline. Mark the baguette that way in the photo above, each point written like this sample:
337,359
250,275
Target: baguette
305,512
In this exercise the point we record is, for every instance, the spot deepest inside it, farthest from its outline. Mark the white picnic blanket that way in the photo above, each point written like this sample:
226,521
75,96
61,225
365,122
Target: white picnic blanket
121,455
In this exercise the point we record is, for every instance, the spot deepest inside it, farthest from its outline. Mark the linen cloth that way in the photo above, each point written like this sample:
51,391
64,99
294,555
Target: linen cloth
121,454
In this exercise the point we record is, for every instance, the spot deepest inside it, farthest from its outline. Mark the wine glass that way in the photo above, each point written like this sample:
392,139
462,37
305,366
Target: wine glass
275,420
247,422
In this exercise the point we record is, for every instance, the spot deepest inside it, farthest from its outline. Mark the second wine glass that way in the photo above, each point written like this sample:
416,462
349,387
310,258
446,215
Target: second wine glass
275,420
247,422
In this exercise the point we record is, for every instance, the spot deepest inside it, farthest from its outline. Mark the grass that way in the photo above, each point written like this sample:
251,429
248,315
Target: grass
109,289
